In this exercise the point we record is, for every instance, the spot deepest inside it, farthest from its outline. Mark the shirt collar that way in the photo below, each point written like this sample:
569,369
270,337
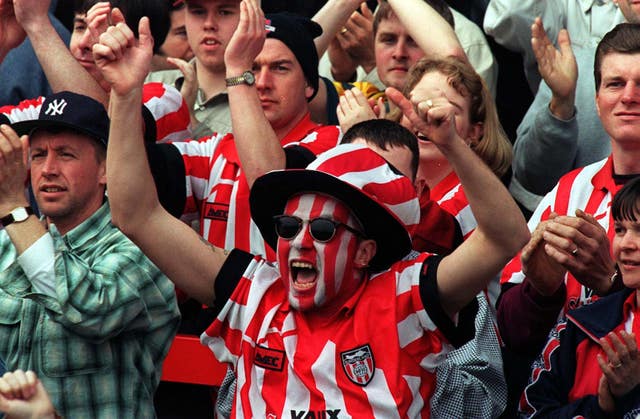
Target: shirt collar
586,5
603,180
88,230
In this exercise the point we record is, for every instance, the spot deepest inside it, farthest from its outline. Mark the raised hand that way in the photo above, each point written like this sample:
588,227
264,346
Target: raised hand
353,108
356,38
98,19
432,116
247,40
189,88
31,14
13,169
557,67
11,32
123,59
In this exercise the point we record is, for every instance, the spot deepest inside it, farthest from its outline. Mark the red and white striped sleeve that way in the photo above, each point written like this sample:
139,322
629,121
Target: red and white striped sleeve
169,110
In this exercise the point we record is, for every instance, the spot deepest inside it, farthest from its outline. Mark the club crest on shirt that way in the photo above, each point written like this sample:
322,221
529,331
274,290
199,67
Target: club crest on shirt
359,364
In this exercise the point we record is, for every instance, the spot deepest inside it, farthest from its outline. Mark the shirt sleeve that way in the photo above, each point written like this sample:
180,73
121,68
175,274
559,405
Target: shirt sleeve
230,274
526,316
553,377
37,263
458,334
470,382
508,22
118,291
545,148
169,112
167,168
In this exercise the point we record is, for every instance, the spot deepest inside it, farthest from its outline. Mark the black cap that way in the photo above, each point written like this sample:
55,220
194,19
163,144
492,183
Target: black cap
70,110
297,33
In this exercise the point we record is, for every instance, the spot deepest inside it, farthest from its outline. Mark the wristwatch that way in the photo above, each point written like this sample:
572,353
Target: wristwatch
18,215
246,78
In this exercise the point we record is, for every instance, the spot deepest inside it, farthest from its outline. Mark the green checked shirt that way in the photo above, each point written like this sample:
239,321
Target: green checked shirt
98,346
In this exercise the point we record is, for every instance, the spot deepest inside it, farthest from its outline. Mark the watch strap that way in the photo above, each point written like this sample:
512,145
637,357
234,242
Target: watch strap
245,78
11,217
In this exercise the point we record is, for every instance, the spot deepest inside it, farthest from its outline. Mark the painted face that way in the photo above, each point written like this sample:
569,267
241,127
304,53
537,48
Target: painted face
210,25
282,87
81,47
435,84
618,97
67,178
630,10
395,52
176,43
316,274
626,251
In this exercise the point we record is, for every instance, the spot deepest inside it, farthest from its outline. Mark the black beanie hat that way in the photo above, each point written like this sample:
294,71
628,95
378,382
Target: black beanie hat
297,33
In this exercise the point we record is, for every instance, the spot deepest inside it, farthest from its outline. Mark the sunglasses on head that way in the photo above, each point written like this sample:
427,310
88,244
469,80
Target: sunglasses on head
321,229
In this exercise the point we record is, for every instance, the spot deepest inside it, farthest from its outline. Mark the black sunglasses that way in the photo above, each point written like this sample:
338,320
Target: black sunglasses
321,229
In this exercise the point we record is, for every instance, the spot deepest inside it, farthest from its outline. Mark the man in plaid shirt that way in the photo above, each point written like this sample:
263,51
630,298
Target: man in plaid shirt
79,302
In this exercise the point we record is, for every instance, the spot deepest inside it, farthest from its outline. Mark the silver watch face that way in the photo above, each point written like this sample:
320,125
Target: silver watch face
249,78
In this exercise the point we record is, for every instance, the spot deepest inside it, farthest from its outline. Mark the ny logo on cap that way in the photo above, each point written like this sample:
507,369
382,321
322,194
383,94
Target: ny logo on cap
56,107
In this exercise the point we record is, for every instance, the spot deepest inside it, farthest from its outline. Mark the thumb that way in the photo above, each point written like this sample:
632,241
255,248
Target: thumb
116,16
144,33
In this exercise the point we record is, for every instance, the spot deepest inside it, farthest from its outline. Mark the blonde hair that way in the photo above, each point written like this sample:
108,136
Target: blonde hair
494,148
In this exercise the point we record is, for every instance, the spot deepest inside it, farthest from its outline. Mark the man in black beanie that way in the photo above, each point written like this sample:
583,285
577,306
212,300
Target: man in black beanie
271,73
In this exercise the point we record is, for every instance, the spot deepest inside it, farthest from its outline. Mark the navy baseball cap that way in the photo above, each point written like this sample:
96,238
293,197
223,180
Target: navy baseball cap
70,110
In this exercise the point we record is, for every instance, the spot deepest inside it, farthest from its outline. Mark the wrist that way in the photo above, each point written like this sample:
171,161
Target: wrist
37,26
562,108
608,283
6,208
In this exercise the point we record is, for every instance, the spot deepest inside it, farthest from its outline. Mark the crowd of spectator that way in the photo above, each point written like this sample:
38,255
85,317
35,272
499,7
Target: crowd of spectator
392,208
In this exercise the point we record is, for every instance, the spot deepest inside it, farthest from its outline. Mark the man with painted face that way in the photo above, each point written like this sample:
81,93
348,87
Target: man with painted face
339,325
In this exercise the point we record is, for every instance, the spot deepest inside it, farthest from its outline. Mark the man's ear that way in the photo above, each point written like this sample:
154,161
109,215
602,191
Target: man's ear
102,173
308,90
365,252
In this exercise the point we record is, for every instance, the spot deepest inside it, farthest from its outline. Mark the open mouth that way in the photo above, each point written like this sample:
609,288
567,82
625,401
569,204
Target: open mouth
304,275
52,189
421,137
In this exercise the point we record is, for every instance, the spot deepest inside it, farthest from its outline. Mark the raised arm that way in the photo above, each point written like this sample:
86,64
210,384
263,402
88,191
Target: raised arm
258,146
547,138
191,263
11,33
440,39
470,267
61,68
332,17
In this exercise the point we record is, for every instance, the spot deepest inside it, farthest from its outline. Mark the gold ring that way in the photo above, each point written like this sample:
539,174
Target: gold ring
618,365
343,30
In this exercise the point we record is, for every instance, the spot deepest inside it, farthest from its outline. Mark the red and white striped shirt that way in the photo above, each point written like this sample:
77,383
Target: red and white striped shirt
449,194
217,190
165,103
591,189
376,358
